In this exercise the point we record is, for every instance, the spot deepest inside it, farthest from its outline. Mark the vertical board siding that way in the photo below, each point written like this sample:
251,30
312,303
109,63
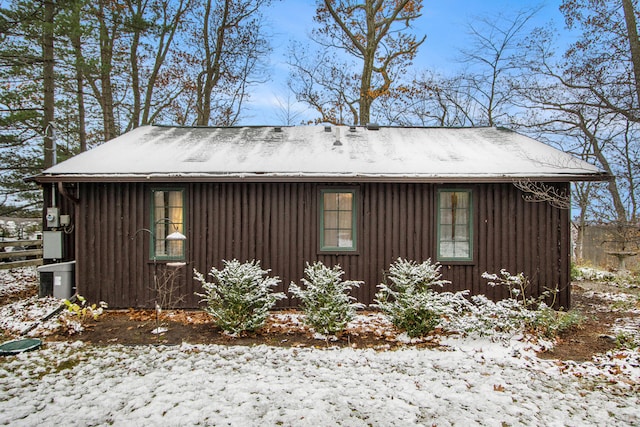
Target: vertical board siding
277,223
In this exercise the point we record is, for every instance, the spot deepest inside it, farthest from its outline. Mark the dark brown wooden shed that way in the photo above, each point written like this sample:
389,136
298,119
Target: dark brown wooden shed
356,196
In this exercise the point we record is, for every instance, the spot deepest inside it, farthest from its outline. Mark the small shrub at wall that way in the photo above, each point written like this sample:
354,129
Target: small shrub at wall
533,313
408,300
325,298
240,296
79,313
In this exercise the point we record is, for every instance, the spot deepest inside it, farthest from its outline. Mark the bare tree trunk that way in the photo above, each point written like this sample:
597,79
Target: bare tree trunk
373,39
82,129
634,43
368,55
136,11
106,57
365,95
76,43
48,83
612,185
583,193
211,74
168,30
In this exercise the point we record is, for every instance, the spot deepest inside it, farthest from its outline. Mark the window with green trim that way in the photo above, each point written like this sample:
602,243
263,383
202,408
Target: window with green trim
167,217
338,220
455,230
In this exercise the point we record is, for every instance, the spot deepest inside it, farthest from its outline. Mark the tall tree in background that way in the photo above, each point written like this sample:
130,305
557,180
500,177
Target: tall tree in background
491,56
588,100
479,94
631,24
230,47
603,66
74,30
605,61
110,14
432,99
374,42
21,105
48,82
96,69
152,27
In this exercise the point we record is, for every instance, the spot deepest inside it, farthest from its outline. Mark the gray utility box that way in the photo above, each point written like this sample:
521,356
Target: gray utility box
63,278
52,244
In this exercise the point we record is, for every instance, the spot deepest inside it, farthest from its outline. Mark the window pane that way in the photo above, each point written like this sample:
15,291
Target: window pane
345,239
446,233
175,217
160,248
461,250
462,216
331,238
445,216
175,198
331,201
462,200
345,220
330,220
446,249
344,201
445,200
159,198
462,232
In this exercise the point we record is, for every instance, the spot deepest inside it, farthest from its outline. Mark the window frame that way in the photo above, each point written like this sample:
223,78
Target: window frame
322,247
153,238
470,224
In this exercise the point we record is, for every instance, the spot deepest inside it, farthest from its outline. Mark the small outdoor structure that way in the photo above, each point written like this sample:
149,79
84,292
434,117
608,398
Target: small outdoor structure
608,245
356,196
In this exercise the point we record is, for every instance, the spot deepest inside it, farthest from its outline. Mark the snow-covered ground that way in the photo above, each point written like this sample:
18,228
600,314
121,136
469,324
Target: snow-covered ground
17,280
469,382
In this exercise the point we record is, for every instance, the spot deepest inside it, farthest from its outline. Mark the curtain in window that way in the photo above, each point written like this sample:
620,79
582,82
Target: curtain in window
455,230
168,216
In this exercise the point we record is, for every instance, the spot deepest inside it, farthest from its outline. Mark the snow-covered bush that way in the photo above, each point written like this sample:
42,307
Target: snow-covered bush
409,301
325,299
240,297
550,323
580,273
522,312
483,317
516,284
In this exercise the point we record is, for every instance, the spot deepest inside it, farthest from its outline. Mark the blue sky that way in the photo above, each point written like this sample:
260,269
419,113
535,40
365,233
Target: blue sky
443,22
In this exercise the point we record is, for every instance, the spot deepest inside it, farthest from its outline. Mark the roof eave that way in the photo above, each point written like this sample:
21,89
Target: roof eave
306,177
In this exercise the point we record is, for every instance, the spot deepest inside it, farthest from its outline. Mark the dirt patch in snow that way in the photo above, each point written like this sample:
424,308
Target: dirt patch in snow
283,329
595,336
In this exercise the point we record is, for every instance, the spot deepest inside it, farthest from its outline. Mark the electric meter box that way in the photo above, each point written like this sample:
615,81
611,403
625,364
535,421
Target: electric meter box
53,217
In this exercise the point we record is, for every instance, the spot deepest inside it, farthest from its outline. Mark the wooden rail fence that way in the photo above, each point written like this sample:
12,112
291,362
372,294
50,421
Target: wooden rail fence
24,253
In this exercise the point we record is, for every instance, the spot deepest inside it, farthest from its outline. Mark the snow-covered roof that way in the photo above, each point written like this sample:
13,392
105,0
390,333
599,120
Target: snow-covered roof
320,153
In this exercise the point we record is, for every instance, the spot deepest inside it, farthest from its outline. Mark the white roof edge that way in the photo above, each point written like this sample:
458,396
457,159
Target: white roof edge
155,177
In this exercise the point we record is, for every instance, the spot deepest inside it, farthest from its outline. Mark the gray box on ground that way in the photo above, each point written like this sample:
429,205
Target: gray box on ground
63,278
